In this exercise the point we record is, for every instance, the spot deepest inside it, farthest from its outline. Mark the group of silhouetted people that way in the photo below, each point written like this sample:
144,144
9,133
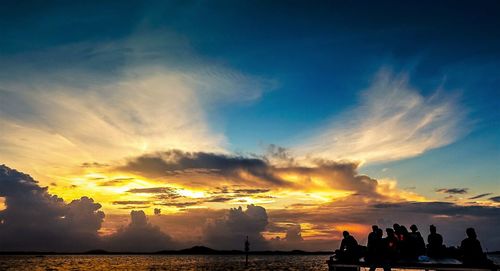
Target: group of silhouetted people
403,245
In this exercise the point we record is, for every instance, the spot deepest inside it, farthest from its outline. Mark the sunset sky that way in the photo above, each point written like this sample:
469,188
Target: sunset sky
151,123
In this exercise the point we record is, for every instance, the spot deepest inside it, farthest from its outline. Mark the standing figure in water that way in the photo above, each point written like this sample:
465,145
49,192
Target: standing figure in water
471,250
435,243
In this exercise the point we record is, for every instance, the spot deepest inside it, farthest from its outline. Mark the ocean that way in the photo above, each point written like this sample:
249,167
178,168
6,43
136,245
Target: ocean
166,262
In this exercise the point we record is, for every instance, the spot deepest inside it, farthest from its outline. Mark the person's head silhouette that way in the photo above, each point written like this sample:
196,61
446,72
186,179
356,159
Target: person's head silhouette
380,233
374,228
396,227
413,228
345,234
432,229
471,233
390,232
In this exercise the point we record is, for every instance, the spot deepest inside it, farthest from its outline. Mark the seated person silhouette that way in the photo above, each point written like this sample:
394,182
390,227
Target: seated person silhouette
397,231
471,250
391,243
372,240
417,241
435,243
349,251
405,245
376,250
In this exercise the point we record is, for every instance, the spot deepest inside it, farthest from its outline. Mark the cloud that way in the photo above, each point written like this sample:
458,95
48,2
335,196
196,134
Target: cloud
327,221
480,196
148,98
453,191
139,236
393,121
214,168
230,232
36,220
293,234
176,162
495,199
128,202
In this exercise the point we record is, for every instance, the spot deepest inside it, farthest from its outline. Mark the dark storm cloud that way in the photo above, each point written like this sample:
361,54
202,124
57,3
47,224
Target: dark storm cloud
480,196
248,171
452,190
171,162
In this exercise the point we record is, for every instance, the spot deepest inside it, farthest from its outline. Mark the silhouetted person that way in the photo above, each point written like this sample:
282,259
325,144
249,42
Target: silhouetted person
405,245
417,241
348,248
471,250
372,237
435,243
391,246
397,230
376,250
247,249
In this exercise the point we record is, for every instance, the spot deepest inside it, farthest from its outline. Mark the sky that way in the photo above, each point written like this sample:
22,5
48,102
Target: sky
286,121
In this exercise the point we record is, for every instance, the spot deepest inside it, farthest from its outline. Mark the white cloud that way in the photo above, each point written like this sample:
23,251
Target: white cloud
393,121
55,117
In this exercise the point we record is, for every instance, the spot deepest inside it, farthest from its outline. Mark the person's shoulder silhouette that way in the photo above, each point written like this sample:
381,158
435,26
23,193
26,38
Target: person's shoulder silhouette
472,252
435,242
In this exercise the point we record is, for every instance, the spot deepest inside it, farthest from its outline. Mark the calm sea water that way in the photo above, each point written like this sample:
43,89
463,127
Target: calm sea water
164,262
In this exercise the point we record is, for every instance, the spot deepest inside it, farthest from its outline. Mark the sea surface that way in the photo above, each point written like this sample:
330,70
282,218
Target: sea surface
166,262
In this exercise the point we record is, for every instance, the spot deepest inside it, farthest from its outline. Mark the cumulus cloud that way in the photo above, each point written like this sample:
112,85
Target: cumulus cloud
231,231
139,236
393,121
293,234
36,220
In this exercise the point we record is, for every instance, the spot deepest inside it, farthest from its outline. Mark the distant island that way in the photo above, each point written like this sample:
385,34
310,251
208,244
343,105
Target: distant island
196,250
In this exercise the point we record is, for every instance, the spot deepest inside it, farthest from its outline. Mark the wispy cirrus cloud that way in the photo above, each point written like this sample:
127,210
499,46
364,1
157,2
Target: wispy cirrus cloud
392,121
149,99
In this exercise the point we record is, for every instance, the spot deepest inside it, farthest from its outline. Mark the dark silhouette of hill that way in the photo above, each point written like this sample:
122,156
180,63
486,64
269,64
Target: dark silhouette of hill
196,250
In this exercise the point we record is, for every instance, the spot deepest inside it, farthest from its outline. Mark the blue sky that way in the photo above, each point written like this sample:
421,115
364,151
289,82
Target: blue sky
316,57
